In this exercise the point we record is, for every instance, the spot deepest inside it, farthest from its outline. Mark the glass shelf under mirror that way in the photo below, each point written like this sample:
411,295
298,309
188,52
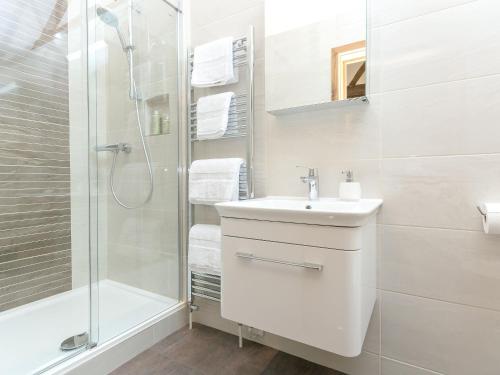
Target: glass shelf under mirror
362,100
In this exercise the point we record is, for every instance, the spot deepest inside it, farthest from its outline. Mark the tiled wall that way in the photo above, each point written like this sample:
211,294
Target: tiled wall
35,234
429,144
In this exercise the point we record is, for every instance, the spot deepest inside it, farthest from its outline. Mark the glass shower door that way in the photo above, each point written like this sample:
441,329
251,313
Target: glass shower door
134,103
44,187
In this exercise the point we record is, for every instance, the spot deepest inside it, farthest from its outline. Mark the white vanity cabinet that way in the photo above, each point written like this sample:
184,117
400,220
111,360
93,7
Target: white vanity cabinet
315,284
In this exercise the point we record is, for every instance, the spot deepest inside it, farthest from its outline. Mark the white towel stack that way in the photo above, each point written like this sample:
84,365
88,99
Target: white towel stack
212,114
205,248
214,180
213,64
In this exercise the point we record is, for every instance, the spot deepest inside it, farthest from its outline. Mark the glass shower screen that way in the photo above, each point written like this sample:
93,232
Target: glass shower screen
134,101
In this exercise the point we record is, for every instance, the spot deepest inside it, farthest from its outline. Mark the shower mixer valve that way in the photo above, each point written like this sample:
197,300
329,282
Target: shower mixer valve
116,147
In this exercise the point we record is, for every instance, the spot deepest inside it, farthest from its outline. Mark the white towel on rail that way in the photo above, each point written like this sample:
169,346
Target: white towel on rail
205,248
214,180
213,64
212,115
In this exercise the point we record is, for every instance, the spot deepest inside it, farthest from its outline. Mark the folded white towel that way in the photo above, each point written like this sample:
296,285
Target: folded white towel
212,113
205,248
213,64
214,180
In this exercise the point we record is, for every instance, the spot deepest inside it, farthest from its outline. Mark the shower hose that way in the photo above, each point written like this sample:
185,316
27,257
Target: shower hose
146,155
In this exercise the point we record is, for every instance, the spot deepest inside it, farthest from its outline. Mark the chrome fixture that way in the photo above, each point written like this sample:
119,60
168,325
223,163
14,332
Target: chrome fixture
75,342
110,19
116,147
481,211
249,256
312,179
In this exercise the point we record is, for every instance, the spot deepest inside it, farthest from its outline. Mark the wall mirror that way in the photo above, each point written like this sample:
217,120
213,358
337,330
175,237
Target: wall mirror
315,54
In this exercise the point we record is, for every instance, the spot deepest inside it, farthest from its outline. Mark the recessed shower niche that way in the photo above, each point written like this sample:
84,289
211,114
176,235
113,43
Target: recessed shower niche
157,114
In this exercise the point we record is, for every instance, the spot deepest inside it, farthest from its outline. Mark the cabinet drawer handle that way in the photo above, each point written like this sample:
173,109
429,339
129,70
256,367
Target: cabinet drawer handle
249,256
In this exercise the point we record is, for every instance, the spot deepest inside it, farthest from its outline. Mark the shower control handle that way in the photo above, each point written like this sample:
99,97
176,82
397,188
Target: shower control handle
115,147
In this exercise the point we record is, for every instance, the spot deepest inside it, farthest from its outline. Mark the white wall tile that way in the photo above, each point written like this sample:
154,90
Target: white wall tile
440,336
456,43
206,12
454,118
455,266
286,177
235,25
331,140
390,367
388,11
350,132
439,192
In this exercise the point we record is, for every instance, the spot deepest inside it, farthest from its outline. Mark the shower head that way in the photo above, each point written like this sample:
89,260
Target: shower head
108,17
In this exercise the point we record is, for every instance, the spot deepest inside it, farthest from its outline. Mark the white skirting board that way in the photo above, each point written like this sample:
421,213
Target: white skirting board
366,364
107,357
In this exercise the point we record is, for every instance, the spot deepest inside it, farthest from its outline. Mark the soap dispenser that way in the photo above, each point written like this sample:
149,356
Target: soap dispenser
348,189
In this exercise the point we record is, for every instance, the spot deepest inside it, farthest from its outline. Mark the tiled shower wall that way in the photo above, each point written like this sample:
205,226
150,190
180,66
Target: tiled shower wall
429,144
35,235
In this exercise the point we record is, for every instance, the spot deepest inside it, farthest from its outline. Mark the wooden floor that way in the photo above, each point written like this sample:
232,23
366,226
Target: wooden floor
206,351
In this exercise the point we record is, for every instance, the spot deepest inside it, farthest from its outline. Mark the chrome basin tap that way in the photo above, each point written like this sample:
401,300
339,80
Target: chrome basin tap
312,179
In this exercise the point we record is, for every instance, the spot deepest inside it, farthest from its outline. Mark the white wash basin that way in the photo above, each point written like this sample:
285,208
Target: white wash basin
325,211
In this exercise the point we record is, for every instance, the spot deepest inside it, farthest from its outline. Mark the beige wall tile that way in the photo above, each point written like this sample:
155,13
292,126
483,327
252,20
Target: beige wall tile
389,11
207,12
419,121
439,192
441,336
451,265
438,47
390,367
235,25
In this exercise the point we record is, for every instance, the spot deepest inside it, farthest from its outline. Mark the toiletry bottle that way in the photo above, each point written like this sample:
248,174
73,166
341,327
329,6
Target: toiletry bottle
165,124
349,190
156,123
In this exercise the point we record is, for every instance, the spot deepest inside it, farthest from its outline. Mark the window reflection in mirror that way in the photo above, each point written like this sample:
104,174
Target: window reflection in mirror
349,71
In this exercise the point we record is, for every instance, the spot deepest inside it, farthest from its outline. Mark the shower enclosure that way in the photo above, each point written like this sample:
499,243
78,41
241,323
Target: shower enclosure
89,174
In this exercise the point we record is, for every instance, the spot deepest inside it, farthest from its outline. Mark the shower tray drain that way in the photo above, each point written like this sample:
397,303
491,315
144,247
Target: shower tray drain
75,342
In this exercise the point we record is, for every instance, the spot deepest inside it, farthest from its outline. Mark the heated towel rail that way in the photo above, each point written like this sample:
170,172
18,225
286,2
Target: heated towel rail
241,113
240,125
